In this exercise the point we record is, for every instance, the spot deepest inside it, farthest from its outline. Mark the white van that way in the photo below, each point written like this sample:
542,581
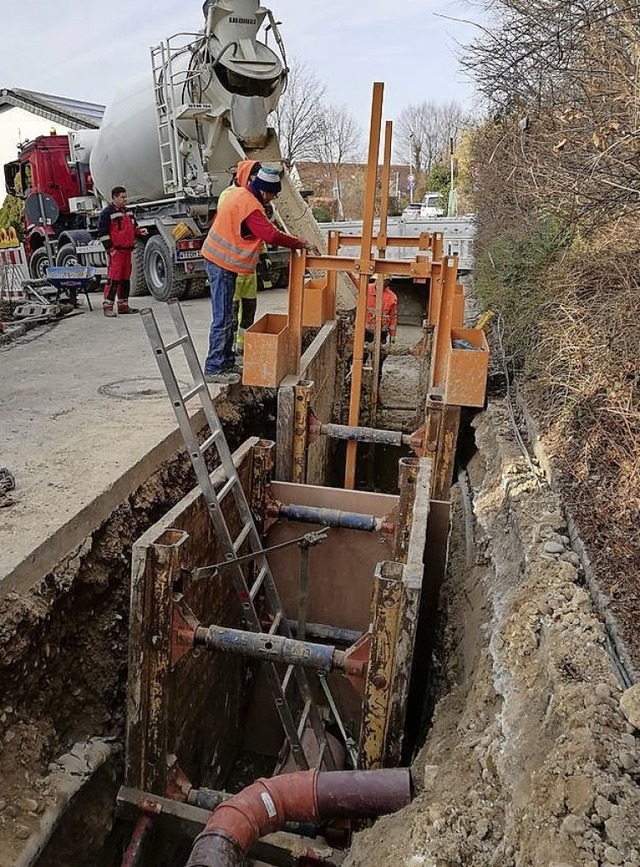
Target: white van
431,206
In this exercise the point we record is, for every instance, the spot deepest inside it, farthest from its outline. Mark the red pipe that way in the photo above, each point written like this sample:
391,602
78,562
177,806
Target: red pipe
306,796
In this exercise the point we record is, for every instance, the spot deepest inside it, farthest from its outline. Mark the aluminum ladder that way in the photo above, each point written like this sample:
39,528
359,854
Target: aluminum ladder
170,164
231,548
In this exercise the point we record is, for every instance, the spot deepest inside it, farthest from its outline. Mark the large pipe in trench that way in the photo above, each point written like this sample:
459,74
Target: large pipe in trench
306,796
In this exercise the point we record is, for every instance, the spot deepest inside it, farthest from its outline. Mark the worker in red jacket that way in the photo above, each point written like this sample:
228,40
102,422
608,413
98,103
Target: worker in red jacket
389,312
118,230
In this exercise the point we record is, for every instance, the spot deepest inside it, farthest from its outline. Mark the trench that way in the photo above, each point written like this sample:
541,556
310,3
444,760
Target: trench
61,688
470,760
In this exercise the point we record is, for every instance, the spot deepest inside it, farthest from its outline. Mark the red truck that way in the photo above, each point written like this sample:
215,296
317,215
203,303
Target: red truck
44,166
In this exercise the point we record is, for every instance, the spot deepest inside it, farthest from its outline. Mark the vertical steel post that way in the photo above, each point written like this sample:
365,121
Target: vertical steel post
262,463
365,256
442,344
382,253
441,437
333,246
407,475
296,289
151,616
302,394
387,604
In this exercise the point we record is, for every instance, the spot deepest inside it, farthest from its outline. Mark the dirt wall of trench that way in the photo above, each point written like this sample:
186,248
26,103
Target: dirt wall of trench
530,759
63,645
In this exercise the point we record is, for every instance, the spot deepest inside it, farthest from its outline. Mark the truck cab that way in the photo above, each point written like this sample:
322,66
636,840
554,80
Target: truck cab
44,166
431,206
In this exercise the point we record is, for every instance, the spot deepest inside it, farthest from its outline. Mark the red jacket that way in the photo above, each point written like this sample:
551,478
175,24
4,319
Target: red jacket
117,226
389,310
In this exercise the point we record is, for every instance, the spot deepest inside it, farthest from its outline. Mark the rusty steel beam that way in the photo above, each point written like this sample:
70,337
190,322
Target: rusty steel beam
150,662
388,592
413,577
263,455
302,396
364,270
417,268
441,437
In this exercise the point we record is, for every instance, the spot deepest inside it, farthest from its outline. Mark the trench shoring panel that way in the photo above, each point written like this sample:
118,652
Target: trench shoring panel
195,709
341,581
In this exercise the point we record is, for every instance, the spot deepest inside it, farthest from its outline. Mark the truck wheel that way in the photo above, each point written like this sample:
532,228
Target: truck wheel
66,256
39,263
159,273
138,283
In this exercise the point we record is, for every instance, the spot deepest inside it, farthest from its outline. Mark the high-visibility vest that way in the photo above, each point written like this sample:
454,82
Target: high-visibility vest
224,245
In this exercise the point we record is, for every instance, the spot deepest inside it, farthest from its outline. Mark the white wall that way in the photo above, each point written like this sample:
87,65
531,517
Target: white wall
18,125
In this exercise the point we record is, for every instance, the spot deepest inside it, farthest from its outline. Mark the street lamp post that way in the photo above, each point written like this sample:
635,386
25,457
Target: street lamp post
411,178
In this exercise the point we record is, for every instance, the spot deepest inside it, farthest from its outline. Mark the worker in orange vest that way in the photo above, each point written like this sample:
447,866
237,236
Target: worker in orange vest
232,247
389,312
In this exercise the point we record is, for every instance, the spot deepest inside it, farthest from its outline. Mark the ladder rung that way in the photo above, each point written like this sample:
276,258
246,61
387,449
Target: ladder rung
206,445
257,584
242,535
173,343
192,392
277,620
306,710
286,680
224,490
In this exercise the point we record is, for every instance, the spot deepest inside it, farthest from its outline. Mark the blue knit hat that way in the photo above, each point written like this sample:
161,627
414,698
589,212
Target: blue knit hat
267,180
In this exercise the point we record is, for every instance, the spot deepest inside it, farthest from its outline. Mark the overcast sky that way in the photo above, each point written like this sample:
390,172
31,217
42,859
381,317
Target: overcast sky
86,49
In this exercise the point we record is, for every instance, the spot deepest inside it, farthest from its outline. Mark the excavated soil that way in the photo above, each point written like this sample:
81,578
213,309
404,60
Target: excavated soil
530,759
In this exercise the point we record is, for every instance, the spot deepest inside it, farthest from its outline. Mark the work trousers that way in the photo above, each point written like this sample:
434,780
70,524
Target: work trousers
222,286
118,283
245,302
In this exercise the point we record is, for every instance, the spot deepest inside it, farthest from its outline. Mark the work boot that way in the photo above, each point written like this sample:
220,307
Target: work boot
225,377
108,310
123,309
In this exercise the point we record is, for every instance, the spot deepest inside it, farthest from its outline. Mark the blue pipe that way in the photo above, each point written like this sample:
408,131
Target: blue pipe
329,517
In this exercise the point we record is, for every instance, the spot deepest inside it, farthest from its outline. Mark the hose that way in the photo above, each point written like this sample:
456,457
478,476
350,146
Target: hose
305,796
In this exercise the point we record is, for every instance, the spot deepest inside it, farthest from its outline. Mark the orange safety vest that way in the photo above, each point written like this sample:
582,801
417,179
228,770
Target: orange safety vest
224,245
389,309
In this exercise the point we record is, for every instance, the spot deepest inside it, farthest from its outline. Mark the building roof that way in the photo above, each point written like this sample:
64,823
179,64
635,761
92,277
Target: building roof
72,113
320,176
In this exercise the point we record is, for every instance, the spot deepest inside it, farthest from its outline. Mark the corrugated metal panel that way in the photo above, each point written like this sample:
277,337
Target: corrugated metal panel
70,111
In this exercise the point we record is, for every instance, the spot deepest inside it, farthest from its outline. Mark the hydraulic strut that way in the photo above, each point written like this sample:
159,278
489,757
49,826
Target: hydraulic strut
277,648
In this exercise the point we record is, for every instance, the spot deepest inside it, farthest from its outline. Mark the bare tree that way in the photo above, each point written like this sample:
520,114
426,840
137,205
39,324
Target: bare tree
424,130
339,141
561,79
297,119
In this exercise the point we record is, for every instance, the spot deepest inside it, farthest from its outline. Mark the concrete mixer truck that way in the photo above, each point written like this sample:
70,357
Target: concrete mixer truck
171,138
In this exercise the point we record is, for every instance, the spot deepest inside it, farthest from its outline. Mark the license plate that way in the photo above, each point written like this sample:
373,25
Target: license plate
182,255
